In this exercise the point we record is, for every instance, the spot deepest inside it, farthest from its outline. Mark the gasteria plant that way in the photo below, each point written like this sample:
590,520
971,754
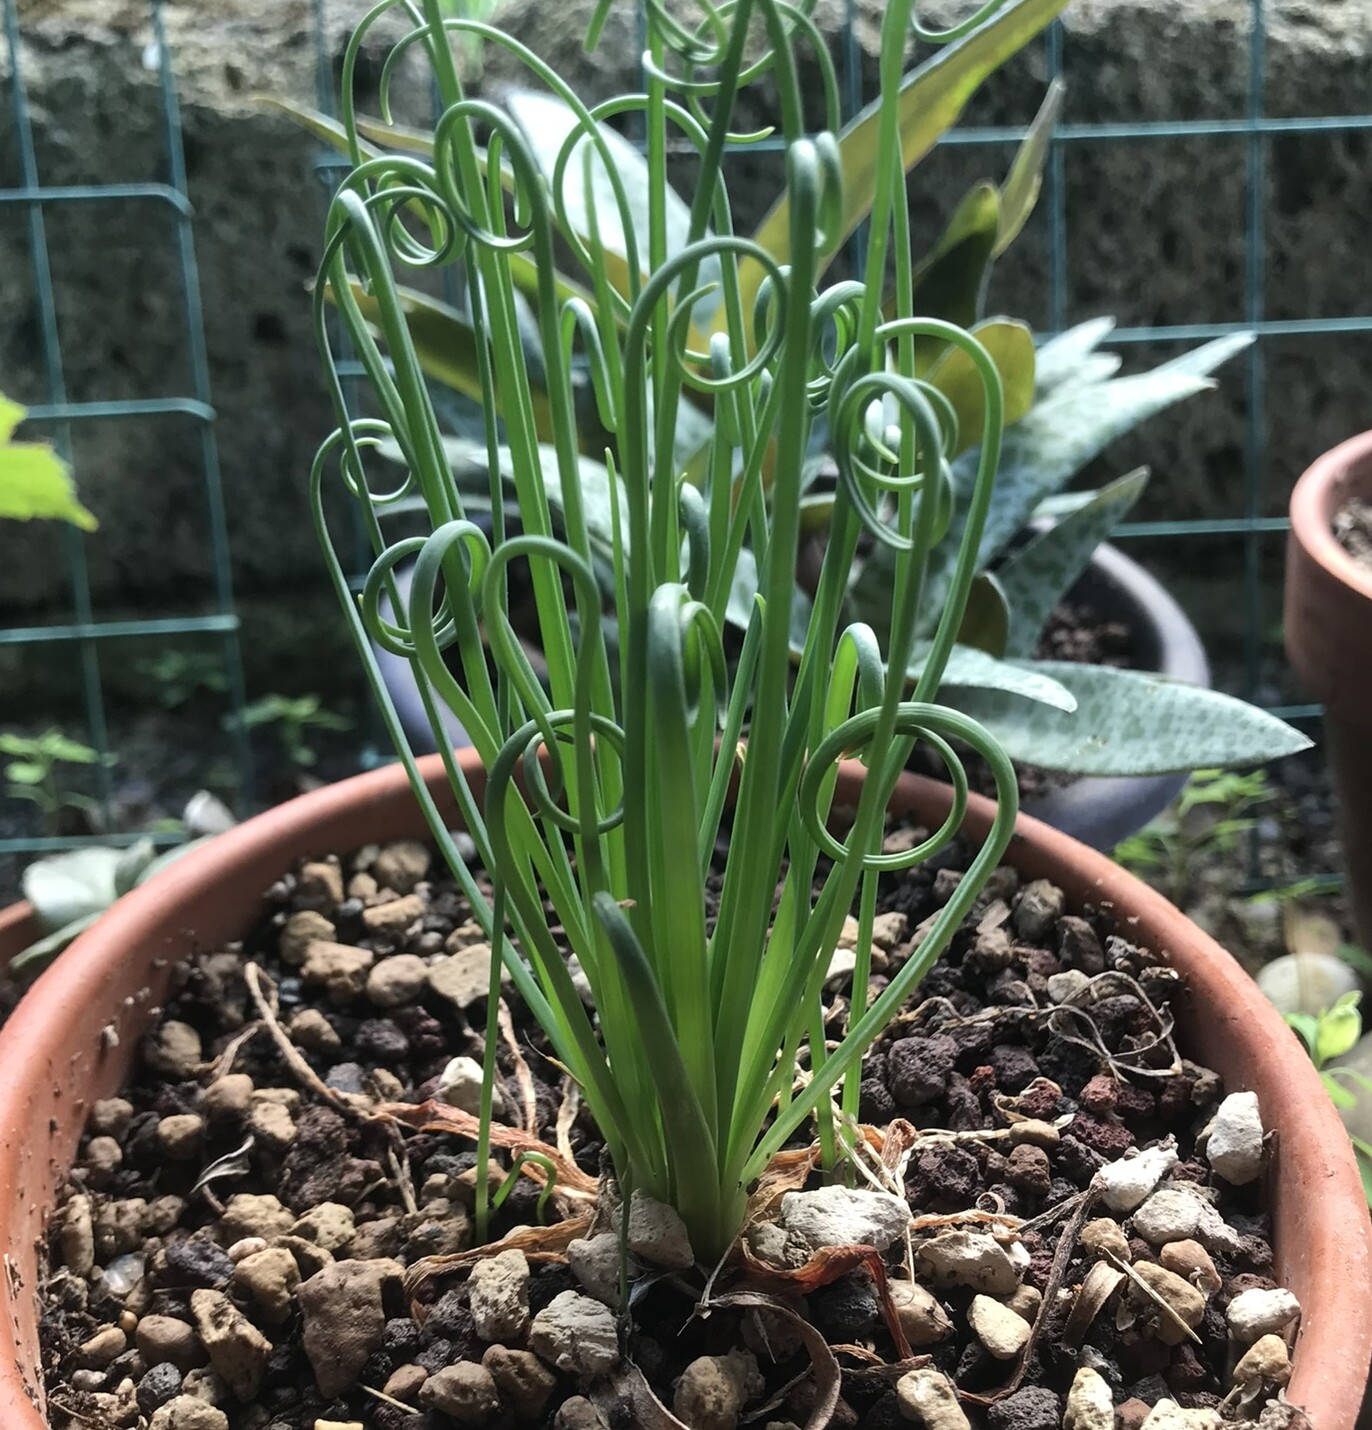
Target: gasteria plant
606,788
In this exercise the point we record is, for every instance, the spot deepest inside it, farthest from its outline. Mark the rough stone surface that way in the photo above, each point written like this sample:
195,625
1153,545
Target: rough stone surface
576,1334
499,1288
188,1412
843,1216
595,1264
1170,1214
714,1389
997,1327
524,1382
344,1320
269,1277
928,1398
341,969
971,1258
1126,1183
1234,1145
1266,1359
464,1392
464,976
657,1234
1090,1406
1256,1313
238,1351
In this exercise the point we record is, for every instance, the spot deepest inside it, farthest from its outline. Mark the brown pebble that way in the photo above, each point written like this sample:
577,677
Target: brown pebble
304,927
1191,1261
1102,1235
405,1382
320,882
97,1352
110,1117
394,914
178,1136
228,1098
311,1030
1033,1132
103,1155
164,1338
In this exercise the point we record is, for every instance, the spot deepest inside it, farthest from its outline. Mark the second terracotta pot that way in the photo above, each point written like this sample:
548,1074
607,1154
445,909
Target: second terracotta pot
1328,630
73,1038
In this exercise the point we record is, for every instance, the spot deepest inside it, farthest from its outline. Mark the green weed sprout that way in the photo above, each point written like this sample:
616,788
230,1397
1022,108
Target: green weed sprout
607,778
37,768
1329,1035
292,717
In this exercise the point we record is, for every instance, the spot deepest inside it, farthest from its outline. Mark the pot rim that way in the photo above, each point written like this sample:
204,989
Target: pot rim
1322,1230
1314,500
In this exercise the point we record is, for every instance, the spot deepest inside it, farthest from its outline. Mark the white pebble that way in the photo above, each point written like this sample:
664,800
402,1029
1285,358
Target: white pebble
1090,1406
1234,1148
1126,1183
1259,1313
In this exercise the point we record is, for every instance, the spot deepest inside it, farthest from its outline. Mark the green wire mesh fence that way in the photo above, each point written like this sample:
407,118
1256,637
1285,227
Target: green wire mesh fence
91,636
86,634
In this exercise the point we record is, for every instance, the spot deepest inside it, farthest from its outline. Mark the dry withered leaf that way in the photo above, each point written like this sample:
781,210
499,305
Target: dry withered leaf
823,1268
1100,1283
538,1243
439,1117
827,1377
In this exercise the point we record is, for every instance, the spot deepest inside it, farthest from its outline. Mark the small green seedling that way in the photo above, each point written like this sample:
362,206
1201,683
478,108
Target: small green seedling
1329,1035
293,718
182,675
1167,850
38,768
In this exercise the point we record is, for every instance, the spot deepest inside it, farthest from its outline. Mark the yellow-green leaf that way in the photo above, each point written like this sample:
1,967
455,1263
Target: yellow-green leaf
11,415
931,100
949,282
1010,346
1020,191
34,481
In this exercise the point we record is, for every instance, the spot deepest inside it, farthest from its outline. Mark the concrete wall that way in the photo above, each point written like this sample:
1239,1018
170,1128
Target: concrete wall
1155,234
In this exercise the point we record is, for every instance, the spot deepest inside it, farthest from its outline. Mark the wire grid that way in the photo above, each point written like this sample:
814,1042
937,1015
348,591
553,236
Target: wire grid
85,632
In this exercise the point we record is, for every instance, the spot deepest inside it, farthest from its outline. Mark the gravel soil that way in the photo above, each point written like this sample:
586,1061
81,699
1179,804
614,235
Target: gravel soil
271,1228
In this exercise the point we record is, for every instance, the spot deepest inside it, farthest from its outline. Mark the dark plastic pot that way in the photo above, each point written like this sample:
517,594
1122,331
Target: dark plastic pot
75,1034
1101,811
1098,811
1328,629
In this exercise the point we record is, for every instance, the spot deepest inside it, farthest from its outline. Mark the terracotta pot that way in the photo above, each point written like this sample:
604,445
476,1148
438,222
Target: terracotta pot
1328,629
74,1035
18,929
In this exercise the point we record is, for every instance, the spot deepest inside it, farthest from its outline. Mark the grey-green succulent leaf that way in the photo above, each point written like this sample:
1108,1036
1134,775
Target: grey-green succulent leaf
1128,722
73,885
970,671
1037,575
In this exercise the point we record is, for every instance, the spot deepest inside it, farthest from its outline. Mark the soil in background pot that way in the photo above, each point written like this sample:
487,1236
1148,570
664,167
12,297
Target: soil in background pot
272,1226
1353,530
